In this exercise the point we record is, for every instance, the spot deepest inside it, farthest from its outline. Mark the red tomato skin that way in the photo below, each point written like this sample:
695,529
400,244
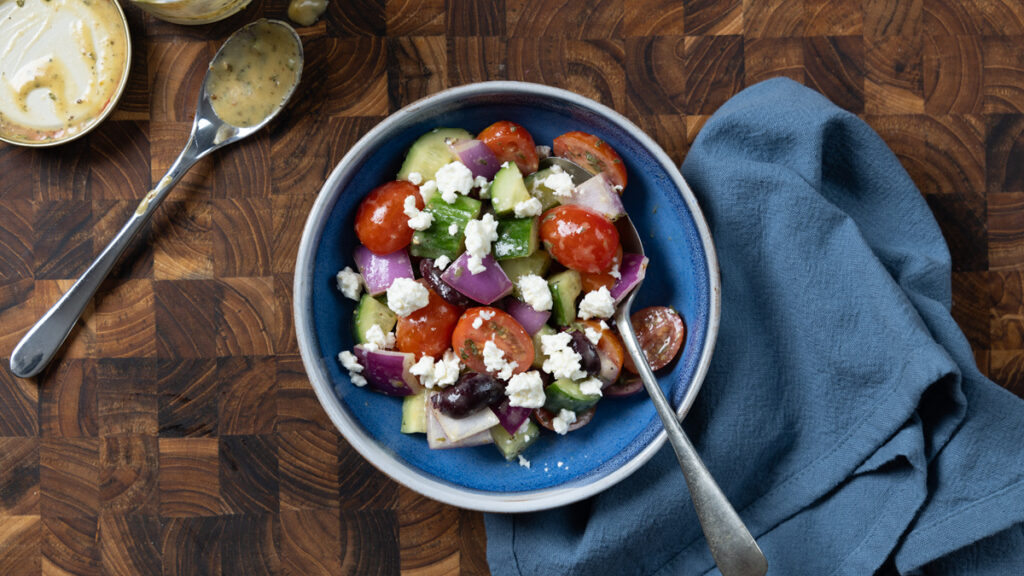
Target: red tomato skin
580,238
468,342
381,223
428,331
660,331
592,153
510,142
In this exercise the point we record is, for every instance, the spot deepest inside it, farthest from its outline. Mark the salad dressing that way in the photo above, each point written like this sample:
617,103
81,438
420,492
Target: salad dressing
306,12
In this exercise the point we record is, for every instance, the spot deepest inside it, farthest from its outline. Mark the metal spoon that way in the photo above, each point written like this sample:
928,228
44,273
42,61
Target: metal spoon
735,551
209,132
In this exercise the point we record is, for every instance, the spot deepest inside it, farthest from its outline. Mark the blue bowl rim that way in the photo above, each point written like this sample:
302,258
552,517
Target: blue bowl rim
365,444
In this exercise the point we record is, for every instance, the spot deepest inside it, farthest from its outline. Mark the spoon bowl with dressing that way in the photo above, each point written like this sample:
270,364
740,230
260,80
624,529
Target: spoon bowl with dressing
249,81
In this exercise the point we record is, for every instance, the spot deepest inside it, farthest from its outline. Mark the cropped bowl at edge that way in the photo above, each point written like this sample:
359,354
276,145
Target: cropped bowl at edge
625,432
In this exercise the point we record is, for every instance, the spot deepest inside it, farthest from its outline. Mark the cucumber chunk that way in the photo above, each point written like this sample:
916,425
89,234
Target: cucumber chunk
429,152
517,238
534,185
508,189
538,356
564,393
371,312
512,445
436,240
537,263
565,288
414,413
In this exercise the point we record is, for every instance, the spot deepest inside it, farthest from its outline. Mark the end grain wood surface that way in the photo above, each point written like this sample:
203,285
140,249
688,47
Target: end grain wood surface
176,432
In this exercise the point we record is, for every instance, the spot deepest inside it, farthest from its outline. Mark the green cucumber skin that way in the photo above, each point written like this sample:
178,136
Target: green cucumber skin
370,311
512,445
565,288
546,195
507,190
565,394
538,356
429,152
517,238
436,241
414,413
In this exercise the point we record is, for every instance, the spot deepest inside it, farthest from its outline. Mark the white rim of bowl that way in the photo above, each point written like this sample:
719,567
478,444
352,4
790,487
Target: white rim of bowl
367,445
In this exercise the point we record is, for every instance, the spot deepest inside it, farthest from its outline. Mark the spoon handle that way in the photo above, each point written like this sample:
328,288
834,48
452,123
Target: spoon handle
735,551
42,341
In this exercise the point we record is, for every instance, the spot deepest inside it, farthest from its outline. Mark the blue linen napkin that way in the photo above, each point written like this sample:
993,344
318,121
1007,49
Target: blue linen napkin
843,414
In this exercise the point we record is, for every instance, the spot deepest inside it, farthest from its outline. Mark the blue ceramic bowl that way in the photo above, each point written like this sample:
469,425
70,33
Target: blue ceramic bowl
625,432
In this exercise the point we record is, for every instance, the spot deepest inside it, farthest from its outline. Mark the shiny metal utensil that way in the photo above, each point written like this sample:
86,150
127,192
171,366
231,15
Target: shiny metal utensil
209,132
733,548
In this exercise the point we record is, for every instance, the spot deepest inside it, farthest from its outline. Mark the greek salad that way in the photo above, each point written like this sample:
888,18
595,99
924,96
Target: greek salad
486,278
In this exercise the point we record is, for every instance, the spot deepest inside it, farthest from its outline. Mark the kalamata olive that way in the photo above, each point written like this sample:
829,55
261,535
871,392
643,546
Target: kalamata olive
590,362
472,392
432,275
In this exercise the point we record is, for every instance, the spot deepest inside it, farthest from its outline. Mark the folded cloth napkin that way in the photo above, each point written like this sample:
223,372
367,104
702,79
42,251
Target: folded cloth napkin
843,414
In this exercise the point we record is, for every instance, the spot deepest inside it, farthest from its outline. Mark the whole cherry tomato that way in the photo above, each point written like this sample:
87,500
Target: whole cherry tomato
381,223
510,142
661,332
593,154
580,238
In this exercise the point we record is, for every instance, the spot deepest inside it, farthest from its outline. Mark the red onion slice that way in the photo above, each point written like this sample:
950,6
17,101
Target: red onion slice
486,287
387,372
632,269
599,195
477,157
379,271
530,319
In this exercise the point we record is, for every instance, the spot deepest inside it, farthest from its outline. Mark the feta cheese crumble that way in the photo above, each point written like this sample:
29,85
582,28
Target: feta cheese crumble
477,323
561,361
453,178
350,283
523,462
591,387
494,361
563,420
453,229
486,314
442,262
351,363
443,372
427,189
615,273
526,390
376,338
415,178
560,183
597,304
543,151
593,335
479,235
535,292
418,219
527,208
406,296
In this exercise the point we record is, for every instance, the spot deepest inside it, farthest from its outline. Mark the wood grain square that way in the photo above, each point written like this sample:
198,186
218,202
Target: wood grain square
297,407
16,239
192,546
124,320
948,18
765,58
182,244
1003,76
655,75
69,477
186,325
1005,230
128,398
473,551
189,478
120,154
475,18
366,488
254,547
894,83
70,546
971,306
310,542
288,213
653,18
835,67
247,398
308,469
19,477
952,67
17,314
176,71
893,18
417,67
773,18
1007,368
428,534
21,546
134,102
166,140
356,18
833,18
962,220
714,71
129,544
188,397
23,160
357,81
63,244
19,401
907,136
369,542
248,474
476,60
596,20
109,216
241,237
713,17
669,131
994,17
955,153
415,17
285,340
63,172
68,403
243,171
593,68
345,132
1005,293
1004,153
129,474
247,314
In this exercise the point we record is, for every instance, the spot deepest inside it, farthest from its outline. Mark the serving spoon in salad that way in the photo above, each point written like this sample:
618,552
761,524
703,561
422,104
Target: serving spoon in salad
248,82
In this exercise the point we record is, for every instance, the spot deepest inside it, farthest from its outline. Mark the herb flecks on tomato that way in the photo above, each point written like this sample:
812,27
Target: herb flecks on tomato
511,142
593,154
580,238
468,340
381,222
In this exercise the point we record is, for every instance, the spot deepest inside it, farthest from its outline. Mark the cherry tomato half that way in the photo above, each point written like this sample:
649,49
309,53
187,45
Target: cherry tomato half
593,154
510,142
545,418
381,223
593,282
496,325
428,331
611,352
580,238
661,332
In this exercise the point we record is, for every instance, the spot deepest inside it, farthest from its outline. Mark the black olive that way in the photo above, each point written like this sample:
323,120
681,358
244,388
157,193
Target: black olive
472,392
433,277
590,362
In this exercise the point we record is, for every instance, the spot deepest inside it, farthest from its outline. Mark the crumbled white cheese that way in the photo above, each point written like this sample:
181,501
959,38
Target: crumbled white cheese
453,229
424,369
481,182
563,420
556,169
351,363
477,323
543,151
523,462
526,390
453,178
591,387
560,183
479,235
418,219
597,304
494,361
444,372
415,178
427,189
350,283
486,314
406,296
535,292
561,361
615,273
593,335
375,336
618,188
527,208
604,325
442,262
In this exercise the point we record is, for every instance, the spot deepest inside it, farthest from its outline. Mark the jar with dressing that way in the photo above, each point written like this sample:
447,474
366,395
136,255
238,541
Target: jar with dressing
192,12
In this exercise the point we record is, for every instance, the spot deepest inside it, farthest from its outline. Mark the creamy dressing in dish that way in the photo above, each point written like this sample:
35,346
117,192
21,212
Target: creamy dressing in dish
254,74
62,63
306,12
